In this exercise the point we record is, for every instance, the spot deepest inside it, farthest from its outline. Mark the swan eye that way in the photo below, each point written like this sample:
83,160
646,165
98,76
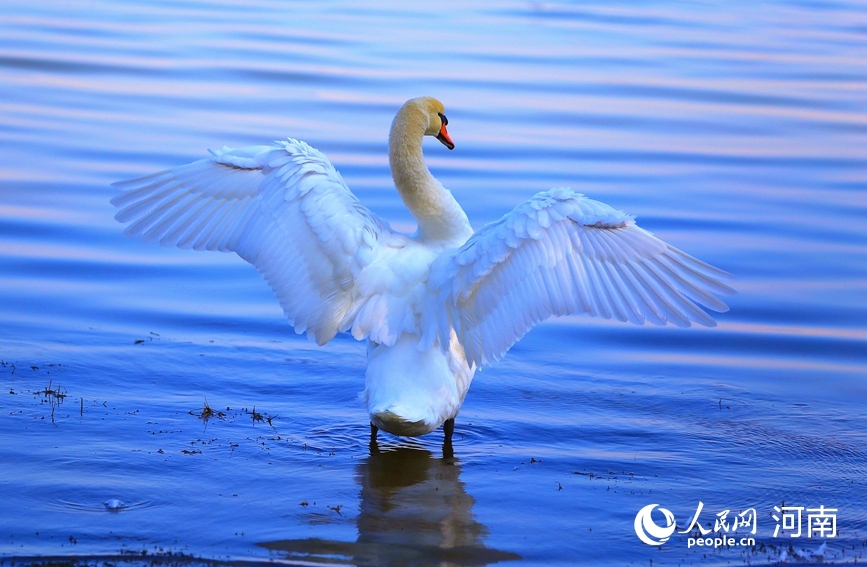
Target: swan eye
443,118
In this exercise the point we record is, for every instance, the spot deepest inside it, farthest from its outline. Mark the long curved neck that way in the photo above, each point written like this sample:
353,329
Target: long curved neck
438,215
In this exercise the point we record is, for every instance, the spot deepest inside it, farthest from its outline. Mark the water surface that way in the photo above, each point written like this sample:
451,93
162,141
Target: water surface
737,133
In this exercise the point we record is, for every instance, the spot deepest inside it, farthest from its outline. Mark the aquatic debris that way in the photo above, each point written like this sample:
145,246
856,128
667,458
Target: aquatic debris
612,475
140,341
114,505
257,416
58,392
207,412
193,452
53,395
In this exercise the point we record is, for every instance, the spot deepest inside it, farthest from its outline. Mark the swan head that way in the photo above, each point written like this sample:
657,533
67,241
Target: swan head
429,113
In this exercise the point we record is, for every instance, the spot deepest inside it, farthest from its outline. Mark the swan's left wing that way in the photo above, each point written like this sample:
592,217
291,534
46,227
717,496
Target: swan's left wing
561,253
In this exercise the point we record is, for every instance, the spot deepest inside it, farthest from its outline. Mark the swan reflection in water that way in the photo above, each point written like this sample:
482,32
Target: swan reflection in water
414,510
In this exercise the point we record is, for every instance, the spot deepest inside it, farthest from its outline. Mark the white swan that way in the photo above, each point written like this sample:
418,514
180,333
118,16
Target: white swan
433,306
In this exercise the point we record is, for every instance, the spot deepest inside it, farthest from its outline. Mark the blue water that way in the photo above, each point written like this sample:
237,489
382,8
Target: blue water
736,132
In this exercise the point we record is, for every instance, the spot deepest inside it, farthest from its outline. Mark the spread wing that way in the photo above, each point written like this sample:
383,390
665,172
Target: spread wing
283,208
561,253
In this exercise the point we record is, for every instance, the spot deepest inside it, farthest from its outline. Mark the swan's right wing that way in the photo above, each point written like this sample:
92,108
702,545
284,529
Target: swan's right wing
561,253
283,208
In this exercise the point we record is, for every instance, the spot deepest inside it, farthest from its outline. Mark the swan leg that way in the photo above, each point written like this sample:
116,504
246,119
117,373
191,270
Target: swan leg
448,431
374,446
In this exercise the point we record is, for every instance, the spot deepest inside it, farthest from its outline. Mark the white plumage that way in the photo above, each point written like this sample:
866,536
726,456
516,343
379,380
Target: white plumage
432,306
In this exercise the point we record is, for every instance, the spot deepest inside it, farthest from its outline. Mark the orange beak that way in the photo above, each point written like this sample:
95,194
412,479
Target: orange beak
444,137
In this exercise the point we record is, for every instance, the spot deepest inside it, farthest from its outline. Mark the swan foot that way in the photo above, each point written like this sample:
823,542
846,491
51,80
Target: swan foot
373,431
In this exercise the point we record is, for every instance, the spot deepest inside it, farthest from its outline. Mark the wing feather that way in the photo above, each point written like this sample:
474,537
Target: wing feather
283,208
561,253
